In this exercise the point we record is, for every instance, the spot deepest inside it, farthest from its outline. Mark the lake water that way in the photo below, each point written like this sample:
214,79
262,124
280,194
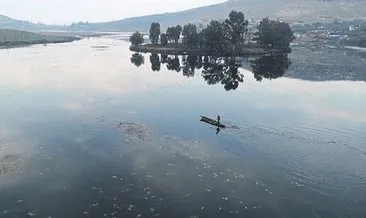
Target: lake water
86,133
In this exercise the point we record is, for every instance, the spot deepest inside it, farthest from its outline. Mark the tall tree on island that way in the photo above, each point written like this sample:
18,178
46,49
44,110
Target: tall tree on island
176,34
163,39
214,39
274,34
154,33
170,33
190,35
137,39
237,27
173,33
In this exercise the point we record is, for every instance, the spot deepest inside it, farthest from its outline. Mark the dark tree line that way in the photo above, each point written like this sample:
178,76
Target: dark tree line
223,37
218,37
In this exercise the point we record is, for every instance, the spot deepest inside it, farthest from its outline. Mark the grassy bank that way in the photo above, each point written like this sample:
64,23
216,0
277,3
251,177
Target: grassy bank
180,49
16,38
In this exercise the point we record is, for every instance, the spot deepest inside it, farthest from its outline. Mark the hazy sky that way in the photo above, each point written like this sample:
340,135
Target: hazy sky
67,11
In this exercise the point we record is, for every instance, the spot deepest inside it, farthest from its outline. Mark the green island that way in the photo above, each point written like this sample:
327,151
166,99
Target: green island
232,37
18,38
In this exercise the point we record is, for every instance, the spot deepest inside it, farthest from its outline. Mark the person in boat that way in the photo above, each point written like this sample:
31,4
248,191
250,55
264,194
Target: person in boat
218,119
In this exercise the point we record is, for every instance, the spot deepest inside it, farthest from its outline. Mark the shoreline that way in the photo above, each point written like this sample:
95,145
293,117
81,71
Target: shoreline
172,49
357,48
21,44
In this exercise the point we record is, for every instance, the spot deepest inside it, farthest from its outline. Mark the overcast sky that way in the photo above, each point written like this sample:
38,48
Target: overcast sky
68,11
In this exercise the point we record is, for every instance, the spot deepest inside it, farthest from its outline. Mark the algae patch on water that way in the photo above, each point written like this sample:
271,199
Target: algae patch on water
135,131
9,163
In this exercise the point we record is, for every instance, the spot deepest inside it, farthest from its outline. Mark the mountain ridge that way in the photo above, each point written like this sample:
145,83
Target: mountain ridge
291,11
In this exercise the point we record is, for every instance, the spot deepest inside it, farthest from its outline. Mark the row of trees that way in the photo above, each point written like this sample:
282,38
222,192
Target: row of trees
223,37
172,34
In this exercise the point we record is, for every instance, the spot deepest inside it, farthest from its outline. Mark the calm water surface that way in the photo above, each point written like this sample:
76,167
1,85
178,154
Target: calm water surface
86,133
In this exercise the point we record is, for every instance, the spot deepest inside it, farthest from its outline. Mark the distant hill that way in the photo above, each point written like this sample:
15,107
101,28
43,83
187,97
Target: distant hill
288,10
20,38
9,23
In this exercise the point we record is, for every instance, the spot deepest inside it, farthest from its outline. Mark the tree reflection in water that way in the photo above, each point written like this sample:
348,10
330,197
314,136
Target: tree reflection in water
220,70
189,64
155,62
137,59
173,63
270,66
164,59
224,70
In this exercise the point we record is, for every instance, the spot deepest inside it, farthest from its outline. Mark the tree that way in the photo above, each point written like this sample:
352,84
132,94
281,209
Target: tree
237,27
163,39
137,39
173,33
201,39
274,34
154,33
214,38
170,33
190,35
176,33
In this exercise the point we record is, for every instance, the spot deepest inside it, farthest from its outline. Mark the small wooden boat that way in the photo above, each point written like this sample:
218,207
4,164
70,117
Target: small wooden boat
212,122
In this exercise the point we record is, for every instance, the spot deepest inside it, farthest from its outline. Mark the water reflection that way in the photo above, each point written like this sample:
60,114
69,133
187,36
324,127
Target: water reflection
155,62
270,66
221,70
173,63
137,59
189,65
87,138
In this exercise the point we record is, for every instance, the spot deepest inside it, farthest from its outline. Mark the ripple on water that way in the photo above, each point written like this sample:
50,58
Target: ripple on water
348,188
318,159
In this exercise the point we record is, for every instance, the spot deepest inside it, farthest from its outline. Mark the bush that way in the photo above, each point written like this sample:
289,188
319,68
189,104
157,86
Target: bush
137,39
